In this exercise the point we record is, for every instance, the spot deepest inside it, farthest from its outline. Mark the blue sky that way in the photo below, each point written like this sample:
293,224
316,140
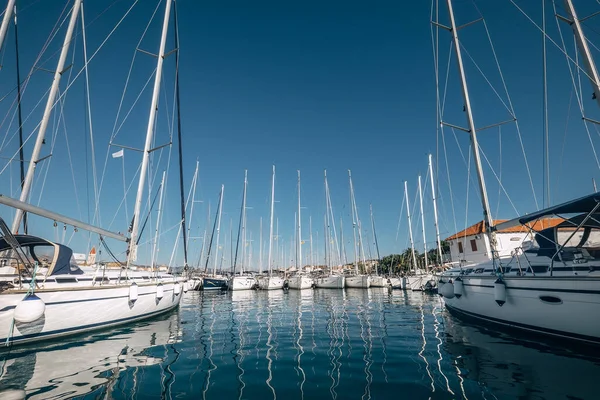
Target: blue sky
305,86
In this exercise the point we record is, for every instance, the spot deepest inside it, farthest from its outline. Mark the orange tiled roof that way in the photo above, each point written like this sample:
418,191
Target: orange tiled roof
478,228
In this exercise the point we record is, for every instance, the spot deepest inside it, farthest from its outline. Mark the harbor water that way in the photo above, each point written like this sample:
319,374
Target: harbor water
311,344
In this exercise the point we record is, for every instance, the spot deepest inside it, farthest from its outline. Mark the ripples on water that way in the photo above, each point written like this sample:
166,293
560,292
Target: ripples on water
352,344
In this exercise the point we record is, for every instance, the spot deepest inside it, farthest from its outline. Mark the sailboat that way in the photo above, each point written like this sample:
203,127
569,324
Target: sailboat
419,279
271,281
299,280
242,281
214,281
331,280
357,280
43,293
377,280
552,287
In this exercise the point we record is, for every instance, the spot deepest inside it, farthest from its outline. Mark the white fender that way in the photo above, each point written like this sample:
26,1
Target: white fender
30,309
448,290
160,291
440,286
177,288
458,287
186,285
500,292
133,292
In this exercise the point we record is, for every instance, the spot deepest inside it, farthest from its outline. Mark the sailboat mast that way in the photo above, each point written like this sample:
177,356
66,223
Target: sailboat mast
423,224
326,243
37,148
299,226
212,234
269,266
584,49
260,250
343,249
242,212
218,229
179,143
10,6
132,256
244,242
435,216
410,233
488,221
194,184
359,227
375,239
327,231
353,223
312,259
19,113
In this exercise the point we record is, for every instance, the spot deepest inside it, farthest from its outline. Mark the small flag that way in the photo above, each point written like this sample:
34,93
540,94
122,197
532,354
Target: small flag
118,154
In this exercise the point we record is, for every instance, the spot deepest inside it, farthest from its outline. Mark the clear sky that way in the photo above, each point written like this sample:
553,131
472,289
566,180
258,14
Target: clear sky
303,85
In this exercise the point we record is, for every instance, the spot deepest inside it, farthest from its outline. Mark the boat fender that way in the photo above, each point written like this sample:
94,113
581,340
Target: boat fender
448,290
160,291
177,288
185,286
500,292
441,284
458,287
30,309
133,292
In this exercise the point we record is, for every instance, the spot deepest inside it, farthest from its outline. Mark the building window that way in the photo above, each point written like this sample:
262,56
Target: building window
460,248
473,245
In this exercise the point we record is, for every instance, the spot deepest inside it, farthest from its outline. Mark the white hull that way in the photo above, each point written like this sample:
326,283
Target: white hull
398,283
300,282
195,283
418,282
358,281
75,309
331,282
559,306
380,281
270,283
241,283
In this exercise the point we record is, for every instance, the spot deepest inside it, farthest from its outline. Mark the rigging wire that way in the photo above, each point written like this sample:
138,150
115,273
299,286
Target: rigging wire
578,93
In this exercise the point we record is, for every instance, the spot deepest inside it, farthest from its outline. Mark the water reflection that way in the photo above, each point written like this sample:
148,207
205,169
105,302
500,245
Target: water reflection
80,364
512,368
320,343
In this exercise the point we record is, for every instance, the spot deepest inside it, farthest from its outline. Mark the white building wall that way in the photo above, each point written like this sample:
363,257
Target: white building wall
506,243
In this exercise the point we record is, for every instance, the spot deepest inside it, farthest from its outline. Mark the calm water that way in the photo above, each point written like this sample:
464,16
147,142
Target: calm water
352,344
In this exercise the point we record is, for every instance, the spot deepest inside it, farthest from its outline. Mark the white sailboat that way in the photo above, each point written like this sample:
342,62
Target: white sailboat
419,279
552,285
331,280
243,281
299,280
271,282
214,281
357,280
43,293
377,280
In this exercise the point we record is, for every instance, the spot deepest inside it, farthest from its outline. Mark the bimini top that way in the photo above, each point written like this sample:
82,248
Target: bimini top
583,205
58,257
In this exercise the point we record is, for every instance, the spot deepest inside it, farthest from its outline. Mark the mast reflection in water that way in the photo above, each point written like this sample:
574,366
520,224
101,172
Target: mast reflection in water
320,343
